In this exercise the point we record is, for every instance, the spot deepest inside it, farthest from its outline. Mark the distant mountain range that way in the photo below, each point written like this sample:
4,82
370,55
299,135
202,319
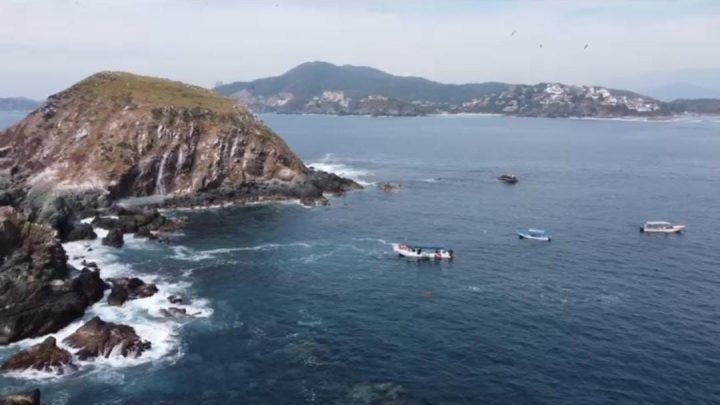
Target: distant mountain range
324,88
673,85
18,104
675,91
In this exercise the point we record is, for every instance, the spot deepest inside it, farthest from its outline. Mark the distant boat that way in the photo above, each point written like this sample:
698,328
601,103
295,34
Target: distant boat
509,178
534,234
423,252
661,227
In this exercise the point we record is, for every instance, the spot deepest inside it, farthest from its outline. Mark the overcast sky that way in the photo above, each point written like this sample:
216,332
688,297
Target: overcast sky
46,45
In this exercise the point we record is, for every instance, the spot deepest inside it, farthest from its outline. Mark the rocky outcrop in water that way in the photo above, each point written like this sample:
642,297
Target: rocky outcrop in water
98,338
124,288
25,398
114,238
45,356
116,135
39,292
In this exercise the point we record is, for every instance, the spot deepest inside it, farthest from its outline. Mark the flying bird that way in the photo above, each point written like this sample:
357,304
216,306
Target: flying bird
586,46
513,33
540,45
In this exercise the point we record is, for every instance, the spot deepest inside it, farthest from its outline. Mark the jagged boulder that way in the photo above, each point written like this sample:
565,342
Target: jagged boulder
98,338
45,356
78,231
114,238
124,288
39,292
25,398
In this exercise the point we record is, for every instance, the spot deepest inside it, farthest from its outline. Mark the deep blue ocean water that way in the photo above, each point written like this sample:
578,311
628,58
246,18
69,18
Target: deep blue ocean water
310,306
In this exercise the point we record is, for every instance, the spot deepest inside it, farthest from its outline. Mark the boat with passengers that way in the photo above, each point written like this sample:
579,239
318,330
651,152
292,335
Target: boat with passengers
423,252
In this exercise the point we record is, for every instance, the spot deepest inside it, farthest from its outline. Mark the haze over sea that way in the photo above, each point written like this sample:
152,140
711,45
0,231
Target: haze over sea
309,305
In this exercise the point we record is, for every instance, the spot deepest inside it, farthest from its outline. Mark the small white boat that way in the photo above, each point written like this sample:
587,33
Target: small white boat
661,227
423,252
534,234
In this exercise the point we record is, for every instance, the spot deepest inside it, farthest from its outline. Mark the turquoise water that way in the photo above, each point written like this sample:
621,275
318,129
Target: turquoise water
309,305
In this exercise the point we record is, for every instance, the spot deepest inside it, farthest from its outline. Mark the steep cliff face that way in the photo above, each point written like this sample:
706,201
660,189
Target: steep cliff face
119,135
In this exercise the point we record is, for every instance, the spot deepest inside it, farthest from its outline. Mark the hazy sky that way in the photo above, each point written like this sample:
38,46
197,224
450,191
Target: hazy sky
46,45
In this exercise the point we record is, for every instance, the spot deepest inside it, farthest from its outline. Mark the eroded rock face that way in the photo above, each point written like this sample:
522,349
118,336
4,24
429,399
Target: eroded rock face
125,288
98,338
39,292
25,398
45,356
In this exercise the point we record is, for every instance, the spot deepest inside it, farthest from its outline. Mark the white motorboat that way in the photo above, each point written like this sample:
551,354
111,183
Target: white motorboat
661,227
534,234
423,252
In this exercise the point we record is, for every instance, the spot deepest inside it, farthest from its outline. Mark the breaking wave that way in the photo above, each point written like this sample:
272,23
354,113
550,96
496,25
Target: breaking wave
331,164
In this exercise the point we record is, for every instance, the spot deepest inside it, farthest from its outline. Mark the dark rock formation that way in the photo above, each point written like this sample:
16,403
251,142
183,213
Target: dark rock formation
118,296
39,292
309,192
125,288
144,223
114,238
45,356
25,398
78,231
90,284
98,338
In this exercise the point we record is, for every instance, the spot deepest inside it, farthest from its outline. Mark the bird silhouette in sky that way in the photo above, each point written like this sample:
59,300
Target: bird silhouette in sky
540,45
586,46
513,33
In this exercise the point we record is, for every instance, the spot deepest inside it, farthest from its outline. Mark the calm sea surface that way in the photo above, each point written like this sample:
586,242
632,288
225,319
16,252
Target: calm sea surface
309,306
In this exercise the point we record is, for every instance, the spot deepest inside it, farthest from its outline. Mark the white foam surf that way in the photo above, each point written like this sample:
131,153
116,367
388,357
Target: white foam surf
331,164
144,315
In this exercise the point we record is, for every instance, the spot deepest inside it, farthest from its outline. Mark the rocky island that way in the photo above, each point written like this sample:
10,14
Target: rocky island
324,88
117,135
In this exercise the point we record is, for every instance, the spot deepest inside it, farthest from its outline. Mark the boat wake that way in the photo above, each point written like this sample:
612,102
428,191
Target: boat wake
185,253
